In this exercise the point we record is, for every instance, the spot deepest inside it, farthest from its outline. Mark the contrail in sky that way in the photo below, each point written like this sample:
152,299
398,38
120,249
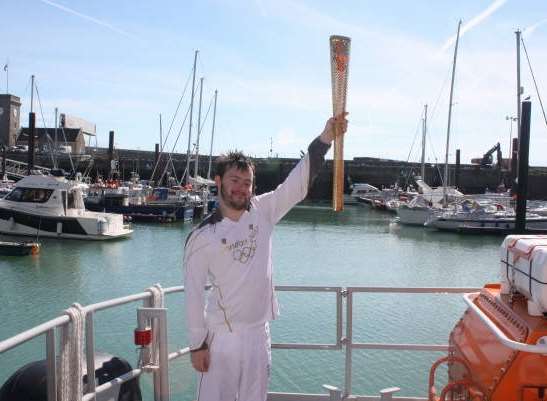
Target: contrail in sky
474,22
88,18
530,30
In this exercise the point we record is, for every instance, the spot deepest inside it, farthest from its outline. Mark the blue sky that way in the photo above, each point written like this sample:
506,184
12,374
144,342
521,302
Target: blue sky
121,63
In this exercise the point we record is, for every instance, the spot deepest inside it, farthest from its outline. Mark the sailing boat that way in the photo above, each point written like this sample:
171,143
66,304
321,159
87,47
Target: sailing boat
423,207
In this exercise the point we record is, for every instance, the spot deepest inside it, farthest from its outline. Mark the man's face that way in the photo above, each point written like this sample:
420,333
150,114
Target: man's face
236,188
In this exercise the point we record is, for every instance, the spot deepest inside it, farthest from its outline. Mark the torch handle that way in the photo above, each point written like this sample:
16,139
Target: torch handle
339,55
338,172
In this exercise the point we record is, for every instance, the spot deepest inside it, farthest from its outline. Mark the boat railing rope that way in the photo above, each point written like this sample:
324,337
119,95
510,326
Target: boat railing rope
71,355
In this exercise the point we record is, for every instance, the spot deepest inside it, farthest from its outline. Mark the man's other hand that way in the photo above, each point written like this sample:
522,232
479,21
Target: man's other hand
200,360
335,125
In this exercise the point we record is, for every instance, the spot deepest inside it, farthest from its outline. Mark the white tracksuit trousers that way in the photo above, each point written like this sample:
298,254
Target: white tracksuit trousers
240,364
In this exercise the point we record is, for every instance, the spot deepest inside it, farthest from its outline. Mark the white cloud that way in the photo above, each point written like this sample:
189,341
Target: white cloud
532,28
475,21
88,18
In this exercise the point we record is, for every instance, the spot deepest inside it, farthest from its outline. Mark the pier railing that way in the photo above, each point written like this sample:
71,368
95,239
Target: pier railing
156,361
19,169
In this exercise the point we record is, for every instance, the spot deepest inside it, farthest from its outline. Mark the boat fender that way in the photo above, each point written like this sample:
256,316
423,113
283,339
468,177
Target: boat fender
35,249
29,382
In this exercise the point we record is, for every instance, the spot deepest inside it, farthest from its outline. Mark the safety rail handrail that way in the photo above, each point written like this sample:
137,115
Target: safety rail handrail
341,292
514,345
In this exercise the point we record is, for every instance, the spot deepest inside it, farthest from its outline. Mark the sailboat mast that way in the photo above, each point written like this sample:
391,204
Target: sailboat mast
519,89
212,137
32,93
190,123
161,135
196,164
445,180
55,140
424,131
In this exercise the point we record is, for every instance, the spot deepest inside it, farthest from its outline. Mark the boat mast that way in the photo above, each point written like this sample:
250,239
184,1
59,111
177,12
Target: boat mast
199,128
55,140
445,180
424,131
190,124
161,135
212,137
32,93
519,89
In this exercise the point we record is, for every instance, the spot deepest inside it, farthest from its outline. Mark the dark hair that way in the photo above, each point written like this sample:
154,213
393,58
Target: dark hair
234,158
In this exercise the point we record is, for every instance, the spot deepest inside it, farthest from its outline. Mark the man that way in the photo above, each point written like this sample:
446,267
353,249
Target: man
231,249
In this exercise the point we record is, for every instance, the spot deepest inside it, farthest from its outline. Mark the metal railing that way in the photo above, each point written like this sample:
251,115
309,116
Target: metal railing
19,169
160,371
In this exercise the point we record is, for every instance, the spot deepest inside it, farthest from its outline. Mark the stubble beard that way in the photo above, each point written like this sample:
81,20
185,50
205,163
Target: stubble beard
232,203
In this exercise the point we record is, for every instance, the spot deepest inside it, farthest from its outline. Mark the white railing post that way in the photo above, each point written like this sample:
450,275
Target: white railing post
90,354
160,344
348,341
51,370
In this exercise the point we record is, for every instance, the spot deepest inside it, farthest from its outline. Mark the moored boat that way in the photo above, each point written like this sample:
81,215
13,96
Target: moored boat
50,206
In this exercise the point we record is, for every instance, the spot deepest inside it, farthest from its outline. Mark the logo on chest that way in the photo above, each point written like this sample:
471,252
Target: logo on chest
243,250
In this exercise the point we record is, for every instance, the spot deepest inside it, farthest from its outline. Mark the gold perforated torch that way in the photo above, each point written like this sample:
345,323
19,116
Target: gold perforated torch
339,61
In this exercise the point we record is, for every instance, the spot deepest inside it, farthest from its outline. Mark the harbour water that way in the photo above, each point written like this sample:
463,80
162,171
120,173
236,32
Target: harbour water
311,246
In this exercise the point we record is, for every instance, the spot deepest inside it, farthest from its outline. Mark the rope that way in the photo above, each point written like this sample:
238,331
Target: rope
71,356
53,161
162,145
174,145
535,83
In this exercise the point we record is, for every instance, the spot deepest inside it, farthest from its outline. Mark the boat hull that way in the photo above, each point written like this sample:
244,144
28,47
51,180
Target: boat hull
148,212
27,224
500,226
413,216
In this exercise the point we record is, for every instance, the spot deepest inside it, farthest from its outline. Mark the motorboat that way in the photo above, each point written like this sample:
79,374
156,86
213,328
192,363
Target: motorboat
52,206
161,205
360,192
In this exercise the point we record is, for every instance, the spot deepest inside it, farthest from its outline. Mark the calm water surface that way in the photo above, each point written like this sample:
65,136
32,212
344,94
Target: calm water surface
311,246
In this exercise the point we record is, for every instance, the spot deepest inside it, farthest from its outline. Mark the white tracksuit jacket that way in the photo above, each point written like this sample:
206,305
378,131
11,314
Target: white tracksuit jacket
235,258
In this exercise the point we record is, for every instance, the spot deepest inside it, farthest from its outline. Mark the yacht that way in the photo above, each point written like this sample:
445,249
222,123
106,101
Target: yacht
52,206
482,220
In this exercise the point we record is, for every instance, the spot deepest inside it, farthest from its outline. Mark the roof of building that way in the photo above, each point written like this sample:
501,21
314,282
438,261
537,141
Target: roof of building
71,134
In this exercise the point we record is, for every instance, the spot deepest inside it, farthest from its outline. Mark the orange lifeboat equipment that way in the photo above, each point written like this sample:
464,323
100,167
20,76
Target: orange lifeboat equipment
488,369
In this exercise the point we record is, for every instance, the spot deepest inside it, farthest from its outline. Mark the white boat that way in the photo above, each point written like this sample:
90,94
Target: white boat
416,212
359,190
49,206
484,221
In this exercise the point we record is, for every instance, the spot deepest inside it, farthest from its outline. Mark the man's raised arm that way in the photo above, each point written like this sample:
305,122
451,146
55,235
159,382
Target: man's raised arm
295,187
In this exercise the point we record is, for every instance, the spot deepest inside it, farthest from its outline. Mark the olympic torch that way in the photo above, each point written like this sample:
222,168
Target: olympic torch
339,61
